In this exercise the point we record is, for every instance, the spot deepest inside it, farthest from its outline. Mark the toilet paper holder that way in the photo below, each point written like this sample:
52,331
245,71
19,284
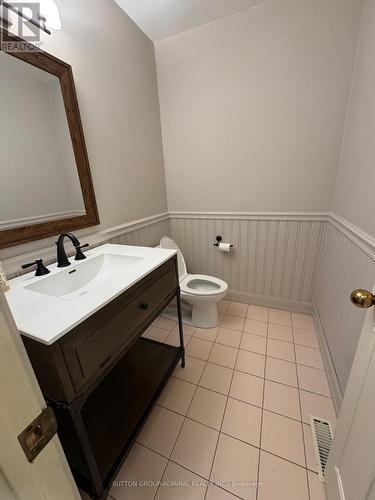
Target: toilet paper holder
219,239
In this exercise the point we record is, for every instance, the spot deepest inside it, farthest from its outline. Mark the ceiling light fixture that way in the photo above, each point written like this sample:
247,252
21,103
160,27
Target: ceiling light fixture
50,12
48,17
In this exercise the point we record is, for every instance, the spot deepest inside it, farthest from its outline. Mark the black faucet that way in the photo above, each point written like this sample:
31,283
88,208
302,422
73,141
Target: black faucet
62,259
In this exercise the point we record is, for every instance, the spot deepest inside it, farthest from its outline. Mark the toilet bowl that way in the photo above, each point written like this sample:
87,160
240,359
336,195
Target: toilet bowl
200,292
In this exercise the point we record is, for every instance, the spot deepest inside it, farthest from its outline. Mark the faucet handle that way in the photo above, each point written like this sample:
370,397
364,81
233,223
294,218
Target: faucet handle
41,269
79,254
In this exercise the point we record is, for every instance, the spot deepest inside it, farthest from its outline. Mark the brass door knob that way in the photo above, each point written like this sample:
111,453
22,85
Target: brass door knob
362,298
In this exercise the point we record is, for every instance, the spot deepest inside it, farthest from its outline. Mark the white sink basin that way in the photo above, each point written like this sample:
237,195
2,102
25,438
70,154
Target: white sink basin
47,307
72,283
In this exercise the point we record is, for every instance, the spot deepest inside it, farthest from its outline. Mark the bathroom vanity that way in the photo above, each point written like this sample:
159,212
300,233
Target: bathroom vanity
82,327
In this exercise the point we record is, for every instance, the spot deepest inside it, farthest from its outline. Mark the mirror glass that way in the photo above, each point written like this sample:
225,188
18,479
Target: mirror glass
39,177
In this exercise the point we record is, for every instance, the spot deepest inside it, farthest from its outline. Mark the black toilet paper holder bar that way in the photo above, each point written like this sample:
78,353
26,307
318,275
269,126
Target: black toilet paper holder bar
219,239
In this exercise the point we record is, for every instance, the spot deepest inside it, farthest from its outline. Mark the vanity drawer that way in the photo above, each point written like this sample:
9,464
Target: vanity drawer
90,346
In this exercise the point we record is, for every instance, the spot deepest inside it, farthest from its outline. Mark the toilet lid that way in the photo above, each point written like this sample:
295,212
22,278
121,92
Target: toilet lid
167,242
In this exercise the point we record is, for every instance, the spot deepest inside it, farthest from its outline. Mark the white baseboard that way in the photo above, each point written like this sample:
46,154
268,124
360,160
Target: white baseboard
334,385
268,301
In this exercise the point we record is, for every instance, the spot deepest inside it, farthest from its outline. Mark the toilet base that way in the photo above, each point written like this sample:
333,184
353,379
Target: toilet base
203,315
171,313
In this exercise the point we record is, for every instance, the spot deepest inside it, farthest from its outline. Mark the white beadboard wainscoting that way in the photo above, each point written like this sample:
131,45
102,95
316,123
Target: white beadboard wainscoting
274,257
307,262
346,262
148,235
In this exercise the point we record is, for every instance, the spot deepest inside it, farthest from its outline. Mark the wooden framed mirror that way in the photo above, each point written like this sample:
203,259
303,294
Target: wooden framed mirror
45,178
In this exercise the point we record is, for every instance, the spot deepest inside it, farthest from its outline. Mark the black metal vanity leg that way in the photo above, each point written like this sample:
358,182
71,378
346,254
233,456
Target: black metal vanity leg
180,327
96,480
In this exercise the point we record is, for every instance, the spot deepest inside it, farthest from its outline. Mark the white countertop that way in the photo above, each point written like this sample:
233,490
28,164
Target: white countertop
46,318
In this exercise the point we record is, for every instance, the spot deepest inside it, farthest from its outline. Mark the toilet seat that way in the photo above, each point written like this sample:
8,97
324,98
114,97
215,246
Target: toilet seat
203,285
194,284
200,294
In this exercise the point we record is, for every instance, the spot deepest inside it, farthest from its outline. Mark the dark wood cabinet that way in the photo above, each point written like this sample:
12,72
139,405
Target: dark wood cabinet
102,378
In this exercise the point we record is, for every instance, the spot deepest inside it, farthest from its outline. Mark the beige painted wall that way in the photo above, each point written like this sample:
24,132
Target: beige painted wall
343,265
253,107
355,186
114,69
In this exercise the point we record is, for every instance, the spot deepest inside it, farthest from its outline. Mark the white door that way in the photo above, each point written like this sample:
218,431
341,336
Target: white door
350,473
49,476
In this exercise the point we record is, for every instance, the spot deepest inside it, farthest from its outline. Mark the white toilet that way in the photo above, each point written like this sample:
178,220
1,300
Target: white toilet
199,292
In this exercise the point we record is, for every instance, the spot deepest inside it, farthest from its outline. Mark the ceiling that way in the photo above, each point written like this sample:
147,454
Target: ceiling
160,19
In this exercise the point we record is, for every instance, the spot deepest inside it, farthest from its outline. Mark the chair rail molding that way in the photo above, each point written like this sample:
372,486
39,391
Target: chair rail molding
360,238
290,216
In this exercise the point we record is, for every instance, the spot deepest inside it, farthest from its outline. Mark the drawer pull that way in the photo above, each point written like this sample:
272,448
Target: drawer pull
143,306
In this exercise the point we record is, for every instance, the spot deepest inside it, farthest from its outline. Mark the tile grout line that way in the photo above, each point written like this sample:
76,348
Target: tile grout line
169,333
230,435
254,352
268,321
231,397
224,313
167,460
222,418
290,325
236,439
261,378
303,434
185,468
185,417
206,361
256,376
261,421
162,475
277,381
